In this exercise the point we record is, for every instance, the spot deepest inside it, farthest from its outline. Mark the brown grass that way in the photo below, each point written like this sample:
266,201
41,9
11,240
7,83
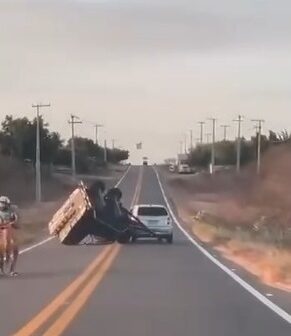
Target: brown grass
270,264
246,218
34,221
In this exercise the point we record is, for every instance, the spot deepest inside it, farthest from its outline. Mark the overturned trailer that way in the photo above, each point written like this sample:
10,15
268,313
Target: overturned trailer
92,212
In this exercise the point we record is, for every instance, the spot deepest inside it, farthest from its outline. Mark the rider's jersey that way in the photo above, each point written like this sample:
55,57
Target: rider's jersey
7,216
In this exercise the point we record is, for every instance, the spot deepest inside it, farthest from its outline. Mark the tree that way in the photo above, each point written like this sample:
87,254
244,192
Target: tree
279,138
225,151
18,139
117,155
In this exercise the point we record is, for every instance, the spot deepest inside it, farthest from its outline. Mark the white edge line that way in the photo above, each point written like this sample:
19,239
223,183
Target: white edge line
123,176
276,309
42,242
36,245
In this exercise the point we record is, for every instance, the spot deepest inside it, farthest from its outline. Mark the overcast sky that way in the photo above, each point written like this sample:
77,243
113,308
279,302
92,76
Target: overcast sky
148,69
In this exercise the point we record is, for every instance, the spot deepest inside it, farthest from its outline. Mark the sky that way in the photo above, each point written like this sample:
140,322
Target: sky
148,70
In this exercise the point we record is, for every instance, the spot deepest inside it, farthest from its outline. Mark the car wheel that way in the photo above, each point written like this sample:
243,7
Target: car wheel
170,239
124,238
133,239
160,239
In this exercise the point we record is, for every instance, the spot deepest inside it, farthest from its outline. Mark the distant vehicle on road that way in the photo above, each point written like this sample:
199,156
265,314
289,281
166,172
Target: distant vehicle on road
145,161
156,218
172,168
184,168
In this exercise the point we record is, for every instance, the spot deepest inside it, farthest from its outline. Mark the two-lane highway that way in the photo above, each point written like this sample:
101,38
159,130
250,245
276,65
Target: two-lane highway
161,289
146,288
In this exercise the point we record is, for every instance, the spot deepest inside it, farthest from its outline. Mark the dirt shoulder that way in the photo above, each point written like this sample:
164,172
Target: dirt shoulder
221,214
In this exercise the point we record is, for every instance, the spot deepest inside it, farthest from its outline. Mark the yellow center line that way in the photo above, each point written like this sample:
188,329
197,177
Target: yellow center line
138,188
63,321
79,290
60,300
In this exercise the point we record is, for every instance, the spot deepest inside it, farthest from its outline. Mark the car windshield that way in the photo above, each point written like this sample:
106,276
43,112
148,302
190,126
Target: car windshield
152,211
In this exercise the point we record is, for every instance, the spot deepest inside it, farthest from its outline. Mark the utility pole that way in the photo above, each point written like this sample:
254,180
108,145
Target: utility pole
97,126
105,151
185,143
181,146
225,127
37,153
213,142
201,123
208,135
113,143
259,134
73,122
238,149
191,140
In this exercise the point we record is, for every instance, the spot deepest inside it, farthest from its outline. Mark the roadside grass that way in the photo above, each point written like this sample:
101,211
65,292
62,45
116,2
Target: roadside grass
34,222
241,220
31,231
269,262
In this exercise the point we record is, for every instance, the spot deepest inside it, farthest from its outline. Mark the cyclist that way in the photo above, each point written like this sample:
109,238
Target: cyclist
8,241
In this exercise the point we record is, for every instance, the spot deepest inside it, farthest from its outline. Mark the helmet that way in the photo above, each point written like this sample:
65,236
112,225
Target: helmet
5,201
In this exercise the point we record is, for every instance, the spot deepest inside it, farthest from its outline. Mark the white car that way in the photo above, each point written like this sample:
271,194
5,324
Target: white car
156,218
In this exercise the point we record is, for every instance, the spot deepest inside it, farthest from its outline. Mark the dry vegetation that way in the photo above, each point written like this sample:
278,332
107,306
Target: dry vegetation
245,217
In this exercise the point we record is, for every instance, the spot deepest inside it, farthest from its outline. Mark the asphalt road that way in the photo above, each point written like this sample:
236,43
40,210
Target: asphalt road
148,289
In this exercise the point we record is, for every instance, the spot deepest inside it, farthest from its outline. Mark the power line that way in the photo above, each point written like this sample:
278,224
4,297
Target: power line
73,122
37,153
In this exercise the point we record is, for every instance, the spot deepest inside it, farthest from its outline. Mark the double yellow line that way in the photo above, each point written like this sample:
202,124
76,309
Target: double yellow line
78,292
85,283
138,187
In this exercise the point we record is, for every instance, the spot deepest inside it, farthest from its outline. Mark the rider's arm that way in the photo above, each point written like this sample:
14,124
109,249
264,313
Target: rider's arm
14,222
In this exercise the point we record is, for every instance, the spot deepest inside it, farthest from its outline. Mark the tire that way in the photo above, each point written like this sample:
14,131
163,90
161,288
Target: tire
160,239
124,238
133,239
170,239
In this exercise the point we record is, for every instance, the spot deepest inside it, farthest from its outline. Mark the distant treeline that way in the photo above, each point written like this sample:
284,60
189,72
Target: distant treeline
226,151
18,140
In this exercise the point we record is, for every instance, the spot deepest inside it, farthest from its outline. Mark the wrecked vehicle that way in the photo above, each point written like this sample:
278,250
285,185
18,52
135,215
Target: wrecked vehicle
96,213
